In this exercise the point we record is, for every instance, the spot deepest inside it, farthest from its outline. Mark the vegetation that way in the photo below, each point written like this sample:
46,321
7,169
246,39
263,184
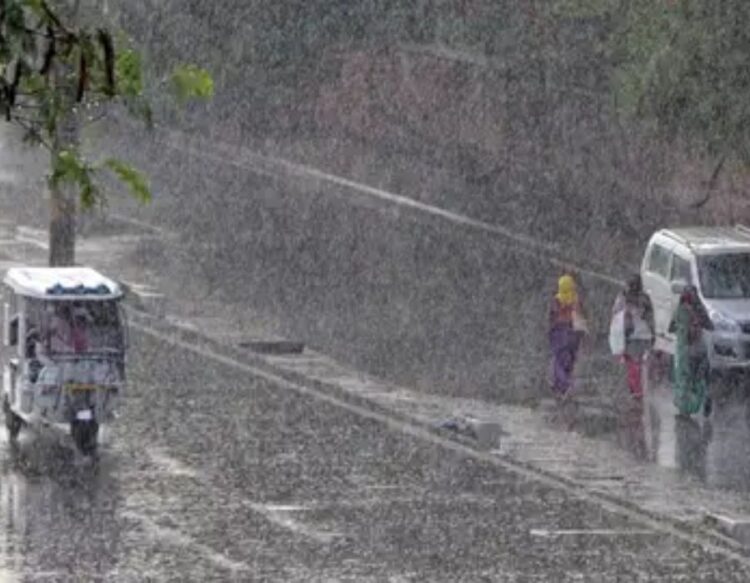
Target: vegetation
681,65
576,88
62,66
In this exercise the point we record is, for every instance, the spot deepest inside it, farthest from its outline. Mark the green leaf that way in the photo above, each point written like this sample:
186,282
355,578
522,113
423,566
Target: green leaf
129,73
192,82
36,7
89,195
33,83
132,178
67,167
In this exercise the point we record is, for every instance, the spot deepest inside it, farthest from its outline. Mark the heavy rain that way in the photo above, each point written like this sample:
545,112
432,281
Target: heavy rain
374,291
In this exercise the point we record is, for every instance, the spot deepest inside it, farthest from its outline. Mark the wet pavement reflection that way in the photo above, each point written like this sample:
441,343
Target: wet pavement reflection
715,448
57,517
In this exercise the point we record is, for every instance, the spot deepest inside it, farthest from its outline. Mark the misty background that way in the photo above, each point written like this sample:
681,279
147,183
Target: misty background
502,111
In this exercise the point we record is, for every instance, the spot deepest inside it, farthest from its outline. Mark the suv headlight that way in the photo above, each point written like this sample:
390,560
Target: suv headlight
723,323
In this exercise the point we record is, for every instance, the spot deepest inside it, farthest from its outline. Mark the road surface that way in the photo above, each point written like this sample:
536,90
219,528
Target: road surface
215,474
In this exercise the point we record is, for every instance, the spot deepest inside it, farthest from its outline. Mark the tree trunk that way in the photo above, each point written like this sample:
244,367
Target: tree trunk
63,197
62,226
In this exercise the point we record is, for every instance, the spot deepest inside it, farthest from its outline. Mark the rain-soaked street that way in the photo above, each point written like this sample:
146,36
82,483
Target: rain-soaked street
220,471
342,244
217,474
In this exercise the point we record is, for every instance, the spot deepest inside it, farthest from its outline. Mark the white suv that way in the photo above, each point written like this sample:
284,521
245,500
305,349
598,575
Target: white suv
716,260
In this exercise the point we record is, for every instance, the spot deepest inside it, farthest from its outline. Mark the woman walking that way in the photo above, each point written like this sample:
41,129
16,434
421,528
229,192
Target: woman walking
566,329
637,312
691,366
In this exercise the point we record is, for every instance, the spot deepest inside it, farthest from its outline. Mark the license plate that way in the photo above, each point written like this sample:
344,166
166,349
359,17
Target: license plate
81,387
85,415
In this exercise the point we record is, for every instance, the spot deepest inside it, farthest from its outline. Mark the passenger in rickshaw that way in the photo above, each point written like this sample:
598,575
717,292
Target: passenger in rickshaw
79,331
60,326
65,331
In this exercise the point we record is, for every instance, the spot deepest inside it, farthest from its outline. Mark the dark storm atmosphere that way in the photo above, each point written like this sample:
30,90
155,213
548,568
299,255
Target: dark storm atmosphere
338,296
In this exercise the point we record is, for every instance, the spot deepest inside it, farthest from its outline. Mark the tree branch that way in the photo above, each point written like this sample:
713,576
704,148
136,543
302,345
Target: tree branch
44,33
33,132
711,183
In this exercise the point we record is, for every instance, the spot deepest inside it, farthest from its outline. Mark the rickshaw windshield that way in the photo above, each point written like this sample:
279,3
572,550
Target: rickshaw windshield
79,327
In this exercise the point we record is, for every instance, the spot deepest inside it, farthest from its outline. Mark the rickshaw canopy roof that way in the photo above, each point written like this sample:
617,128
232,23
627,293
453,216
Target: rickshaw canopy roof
62,283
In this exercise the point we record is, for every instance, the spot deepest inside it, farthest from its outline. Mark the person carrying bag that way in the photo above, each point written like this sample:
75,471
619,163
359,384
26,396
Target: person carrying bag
631,334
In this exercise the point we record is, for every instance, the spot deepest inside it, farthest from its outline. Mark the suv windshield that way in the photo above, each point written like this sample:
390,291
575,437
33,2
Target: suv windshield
725,276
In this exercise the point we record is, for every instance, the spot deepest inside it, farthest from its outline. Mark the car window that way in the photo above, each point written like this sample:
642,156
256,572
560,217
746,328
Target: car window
681,269
658,261
725,276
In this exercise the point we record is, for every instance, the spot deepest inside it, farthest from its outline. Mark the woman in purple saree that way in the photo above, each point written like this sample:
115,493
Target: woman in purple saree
566,329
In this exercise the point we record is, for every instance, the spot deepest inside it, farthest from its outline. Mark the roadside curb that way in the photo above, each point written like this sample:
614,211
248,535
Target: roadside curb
735,528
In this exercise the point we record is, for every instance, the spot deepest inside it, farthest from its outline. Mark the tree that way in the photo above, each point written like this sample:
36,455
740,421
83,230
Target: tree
681,65
61,66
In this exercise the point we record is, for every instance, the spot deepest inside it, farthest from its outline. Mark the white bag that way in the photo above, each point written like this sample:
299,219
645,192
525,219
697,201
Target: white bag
641,330
579,323
617,334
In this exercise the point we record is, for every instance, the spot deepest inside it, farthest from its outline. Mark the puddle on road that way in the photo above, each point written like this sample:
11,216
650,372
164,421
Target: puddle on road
169,464
714,450
54,515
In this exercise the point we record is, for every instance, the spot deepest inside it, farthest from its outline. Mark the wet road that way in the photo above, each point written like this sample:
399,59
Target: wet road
714,449
214,474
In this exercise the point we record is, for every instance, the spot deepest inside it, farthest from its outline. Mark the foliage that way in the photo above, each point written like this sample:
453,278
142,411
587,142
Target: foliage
190,81
681,65
131,177
67,166
57,72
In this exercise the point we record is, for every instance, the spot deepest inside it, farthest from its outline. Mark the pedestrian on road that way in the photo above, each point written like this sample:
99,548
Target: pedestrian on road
691,366
634,307
567,327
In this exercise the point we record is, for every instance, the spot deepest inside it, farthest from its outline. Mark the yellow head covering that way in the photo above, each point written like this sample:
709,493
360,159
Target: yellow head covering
566,291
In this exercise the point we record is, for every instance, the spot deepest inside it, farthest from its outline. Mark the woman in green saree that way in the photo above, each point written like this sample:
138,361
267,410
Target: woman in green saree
691,366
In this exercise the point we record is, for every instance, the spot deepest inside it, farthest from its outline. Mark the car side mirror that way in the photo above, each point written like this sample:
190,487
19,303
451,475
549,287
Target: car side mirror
679,286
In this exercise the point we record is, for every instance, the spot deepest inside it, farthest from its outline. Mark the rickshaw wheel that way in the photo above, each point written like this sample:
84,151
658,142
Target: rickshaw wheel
12,421
85,436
